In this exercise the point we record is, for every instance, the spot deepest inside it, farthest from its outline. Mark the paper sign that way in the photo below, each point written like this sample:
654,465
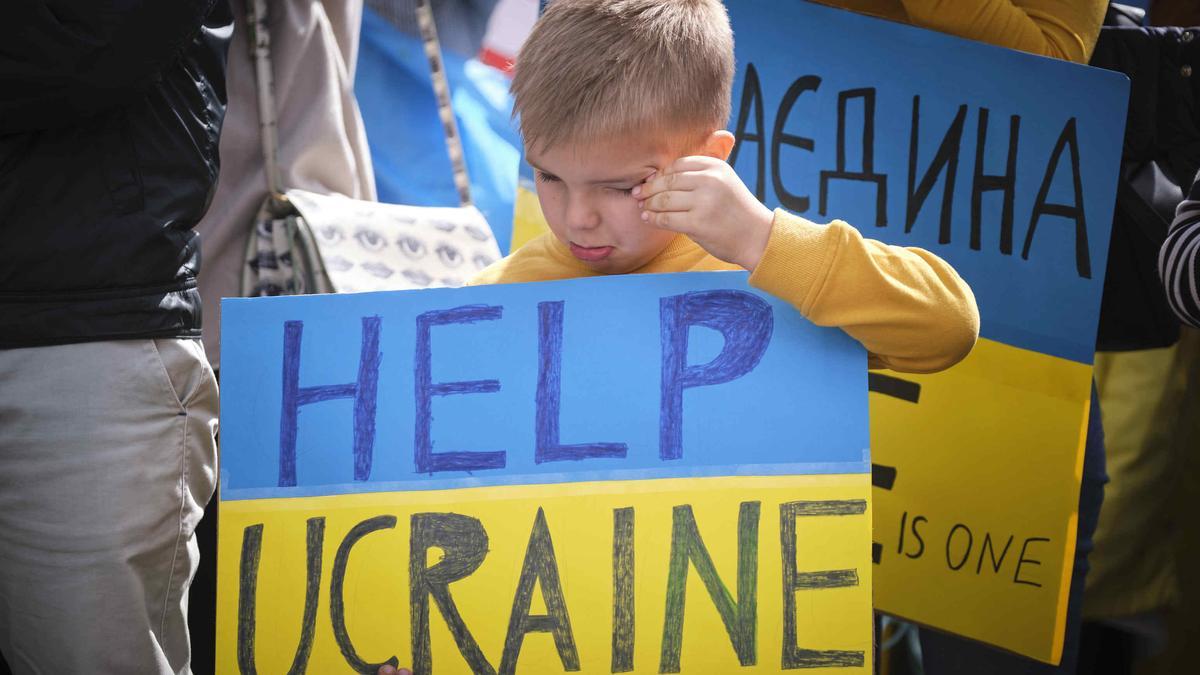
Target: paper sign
646,474
1005,164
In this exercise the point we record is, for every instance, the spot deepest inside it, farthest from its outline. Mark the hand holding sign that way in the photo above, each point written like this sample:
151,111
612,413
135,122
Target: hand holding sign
705,199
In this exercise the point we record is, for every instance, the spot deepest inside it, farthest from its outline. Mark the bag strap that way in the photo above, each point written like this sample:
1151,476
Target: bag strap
256,18
260,36
441,89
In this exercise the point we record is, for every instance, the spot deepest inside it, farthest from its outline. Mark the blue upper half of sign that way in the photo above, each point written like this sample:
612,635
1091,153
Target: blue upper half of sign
1003,163
615,378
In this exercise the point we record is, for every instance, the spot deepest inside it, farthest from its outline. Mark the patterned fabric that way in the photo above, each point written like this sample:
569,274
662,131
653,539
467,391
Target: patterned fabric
336,244
1179,260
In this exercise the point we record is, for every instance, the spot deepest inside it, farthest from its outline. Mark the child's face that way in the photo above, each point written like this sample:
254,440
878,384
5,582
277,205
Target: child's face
585,196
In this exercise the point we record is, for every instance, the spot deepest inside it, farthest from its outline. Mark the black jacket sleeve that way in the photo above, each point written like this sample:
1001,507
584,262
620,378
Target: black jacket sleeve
65,60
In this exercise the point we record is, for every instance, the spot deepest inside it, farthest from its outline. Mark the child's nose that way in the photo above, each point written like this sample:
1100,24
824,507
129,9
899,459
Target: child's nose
581,213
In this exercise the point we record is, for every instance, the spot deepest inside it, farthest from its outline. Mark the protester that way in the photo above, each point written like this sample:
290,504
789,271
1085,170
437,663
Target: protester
622,107
322,148
109,124
1144,366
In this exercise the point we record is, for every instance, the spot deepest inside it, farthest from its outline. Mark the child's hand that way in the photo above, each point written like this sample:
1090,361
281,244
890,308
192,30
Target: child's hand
705,199
388,669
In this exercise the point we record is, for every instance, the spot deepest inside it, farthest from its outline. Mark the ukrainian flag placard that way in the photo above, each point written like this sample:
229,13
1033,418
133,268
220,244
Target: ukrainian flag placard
661,473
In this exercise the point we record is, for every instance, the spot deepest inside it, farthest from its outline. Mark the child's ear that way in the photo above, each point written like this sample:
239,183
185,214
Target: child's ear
718,144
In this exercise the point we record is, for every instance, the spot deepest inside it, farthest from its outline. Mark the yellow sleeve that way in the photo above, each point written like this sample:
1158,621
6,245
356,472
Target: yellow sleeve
907,306
1063,29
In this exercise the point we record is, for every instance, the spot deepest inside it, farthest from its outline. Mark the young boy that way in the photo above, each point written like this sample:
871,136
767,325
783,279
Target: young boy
622,105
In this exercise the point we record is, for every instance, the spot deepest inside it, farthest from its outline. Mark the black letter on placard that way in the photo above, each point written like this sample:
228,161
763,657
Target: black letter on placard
920,540
944,161
988,547
623,606
540,567
793,580
1005,183
428,461
1022,560
787,199
549,395
464,543
337,607
751,95
966,553
740,617
364,391
247,597
247,592
1074,211
867,175
746,323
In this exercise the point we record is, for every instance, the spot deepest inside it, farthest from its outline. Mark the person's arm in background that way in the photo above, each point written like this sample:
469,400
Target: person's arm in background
1179,259
63,60
1062,29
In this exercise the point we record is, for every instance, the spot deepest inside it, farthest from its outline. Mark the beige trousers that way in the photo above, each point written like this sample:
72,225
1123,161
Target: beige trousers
107,459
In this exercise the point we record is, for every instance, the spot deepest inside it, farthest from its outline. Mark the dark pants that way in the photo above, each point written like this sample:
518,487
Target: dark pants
946,654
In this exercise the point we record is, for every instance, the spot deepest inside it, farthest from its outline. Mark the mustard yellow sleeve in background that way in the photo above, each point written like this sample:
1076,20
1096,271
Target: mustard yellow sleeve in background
907,306
1062,29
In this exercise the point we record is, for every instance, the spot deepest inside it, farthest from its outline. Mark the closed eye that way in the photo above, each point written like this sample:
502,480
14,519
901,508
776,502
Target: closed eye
544,177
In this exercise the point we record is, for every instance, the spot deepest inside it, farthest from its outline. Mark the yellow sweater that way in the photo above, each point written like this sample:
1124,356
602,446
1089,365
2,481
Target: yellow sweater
908,307
1063,29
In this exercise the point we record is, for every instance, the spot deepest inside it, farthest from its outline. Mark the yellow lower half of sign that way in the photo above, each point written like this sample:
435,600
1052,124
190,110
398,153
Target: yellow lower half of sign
977,531
698,575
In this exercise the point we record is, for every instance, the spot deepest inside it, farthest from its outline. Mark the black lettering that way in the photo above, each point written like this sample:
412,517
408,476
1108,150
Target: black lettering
1022,560
867,175
1074,211
990,549
540,567
1006,183
779,136
794,656
337,607
623,605
945,161
966,554
921,542
247,596
740,617
751,95
247,591
464,543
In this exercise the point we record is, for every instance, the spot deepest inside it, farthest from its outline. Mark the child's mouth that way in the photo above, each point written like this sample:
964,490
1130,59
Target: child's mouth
590,254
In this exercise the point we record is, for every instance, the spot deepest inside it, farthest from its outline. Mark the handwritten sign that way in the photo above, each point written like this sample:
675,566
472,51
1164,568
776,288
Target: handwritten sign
629,474
1005,164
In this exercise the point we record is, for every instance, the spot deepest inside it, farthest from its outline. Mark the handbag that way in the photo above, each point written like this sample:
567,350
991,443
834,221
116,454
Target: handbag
1161,153
304,242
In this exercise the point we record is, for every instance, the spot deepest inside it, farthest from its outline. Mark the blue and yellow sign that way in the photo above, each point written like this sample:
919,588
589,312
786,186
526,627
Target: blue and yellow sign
627,474
1005,164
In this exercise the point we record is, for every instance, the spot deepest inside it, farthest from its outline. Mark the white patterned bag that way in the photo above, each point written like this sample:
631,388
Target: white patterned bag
304,242
369,247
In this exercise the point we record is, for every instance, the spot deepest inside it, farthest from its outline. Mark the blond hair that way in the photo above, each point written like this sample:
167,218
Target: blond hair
593,69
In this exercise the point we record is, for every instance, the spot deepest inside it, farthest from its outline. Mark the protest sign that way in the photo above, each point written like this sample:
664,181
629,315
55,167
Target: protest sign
1005,164
661,473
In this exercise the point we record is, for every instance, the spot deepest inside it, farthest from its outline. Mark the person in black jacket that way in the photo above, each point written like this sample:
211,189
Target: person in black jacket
109,121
